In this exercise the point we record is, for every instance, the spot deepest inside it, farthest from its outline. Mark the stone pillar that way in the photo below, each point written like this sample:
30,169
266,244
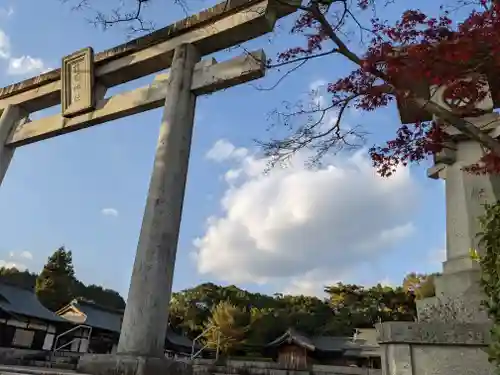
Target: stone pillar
452,334
141,346
10,117
145,321
466,193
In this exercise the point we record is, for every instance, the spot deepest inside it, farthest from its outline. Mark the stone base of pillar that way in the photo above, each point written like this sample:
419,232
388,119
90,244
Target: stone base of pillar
459,295
434,348
118,364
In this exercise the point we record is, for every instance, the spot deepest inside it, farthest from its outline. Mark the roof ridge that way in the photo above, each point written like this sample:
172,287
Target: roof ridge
88,302
12,284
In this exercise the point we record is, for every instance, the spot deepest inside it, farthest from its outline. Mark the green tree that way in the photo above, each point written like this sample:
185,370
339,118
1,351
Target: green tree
488,257
101,296
422,286
55,286
230,325
358,307
23,279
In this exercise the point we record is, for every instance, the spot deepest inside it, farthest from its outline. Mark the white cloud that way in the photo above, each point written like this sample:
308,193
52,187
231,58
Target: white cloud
110,212
4,45
19,65
25,65
19,266
311,283
317,84
26,255
386,281
317,93
223,150
300,226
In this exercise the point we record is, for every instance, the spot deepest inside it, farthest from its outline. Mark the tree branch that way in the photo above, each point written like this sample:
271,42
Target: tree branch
433,108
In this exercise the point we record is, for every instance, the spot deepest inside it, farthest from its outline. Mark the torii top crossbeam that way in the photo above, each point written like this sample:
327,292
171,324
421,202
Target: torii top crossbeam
214,29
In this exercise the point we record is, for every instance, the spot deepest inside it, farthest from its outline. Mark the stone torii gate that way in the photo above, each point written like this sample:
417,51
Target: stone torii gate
80,85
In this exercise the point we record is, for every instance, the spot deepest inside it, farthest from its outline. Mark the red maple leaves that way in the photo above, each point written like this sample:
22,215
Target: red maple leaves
417,48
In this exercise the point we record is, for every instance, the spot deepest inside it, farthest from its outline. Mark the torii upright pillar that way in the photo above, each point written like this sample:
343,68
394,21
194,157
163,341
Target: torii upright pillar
142,339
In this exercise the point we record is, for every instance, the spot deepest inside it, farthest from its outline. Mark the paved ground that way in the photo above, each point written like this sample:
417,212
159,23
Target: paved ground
11,370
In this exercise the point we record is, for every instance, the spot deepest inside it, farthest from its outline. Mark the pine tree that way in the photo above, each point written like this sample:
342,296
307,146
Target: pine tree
56,283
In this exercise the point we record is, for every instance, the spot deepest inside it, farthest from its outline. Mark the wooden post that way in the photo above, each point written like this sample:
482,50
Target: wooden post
146,315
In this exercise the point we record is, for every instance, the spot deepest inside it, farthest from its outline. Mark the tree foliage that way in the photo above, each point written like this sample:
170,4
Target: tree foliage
432,49
56,284
443,49
489,260
421,285
23,279
230,325
247,320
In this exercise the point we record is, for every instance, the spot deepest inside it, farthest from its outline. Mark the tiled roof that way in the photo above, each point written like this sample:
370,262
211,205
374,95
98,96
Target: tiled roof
361,345
99,316
24,302
293,336
111,320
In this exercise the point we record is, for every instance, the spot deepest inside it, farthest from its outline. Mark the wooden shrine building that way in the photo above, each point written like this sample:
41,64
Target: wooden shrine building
105,325
295,350
24,322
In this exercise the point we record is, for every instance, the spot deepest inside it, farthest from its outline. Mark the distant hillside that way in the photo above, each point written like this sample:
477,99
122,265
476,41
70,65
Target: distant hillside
98,294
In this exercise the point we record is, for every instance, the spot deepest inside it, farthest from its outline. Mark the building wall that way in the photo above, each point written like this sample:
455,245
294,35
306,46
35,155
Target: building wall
292,357
206,367
79,339
13,356
31,334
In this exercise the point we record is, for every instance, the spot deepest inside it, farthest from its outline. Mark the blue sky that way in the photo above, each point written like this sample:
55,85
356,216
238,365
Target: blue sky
291,231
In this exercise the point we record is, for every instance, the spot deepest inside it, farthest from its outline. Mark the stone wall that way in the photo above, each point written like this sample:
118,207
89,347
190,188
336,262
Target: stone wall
207,367
13,356
434,348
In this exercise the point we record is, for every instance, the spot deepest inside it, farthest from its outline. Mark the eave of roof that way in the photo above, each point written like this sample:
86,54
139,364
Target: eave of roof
110,320
23,302
293,337
325,344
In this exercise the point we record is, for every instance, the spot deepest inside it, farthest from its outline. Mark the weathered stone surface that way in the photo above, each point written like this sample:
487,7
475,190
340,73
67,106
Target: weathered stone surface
77,83
10,117
434,333
465,308
218,28
453,360
146,314
115,364
409,359
466,194
434,348
208,77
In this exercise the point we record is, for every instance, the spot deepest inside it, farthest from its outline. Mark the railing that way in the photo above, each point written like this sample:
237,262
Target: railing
209,329
58,348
